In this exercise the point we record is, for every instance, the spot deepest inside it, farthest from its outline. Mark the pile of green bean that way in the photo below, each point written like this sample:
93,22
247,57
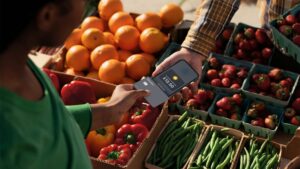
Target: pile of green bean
256,155
217,152
176,143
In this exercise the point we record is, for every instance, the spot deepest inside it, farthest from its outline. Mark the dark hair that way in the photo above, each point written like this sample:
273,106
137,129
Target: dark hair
15,16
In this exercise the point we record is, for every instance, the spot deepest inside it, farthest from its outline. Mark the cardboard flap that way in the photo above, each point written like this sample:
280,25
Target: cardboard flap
291,149
101,89
293,164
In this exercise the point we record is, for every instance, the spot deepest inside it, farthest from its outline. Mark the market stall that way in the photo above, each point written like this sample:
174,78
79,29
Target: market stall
245,113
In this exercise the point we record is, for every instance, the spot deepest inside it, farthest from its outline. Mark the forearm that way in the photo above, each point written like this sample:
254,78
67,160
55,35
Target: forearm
103,115
211,18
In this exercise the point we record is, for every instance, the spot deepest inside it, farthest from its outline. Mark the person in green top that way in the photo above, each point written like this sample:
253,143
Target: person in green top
36,130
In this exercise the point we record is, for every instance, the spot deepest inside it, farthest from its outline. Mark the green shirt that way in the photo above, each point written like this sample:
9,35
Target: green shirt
42,134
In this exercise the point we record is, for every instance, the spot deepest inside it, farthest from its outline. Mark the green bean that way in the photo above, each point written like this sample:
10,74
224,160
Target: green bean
247,158
226,161
272,162
263,146
212,140
213,151
198,161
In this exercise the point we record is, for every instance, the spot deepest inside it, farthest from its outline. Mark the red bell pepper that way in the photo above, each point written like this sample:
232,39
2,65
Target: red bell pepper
77,92
145,115
53,78
115,154
132,135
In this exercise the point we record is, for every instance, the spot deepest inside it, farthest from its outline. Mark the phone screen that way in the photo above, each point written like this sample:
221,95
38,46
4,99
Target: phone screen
168,82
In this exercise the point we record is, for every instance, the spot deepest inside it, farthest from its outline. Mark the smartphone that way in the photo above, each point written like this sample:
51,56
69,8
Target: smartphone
167,83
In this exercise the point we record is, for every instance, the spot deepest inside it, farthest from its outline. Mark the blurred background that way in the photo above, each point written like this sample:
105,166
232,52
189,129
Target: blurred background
247,13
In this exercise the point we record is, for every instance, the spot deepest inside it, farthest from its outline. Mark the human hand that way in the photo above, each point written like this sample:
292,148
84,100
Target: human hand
193,58
124,97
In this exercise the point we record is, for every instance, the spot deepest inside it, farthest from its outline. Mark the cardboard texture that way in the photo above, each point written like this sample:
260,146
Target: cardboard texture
291,149
293,164
232,132
170,119
103,89
41,60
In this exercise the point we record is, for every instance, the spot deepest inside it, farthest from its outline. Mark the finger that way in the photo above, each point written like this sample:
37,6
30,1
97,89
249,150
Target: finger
136,94
162,67
194,87
197,82
126,86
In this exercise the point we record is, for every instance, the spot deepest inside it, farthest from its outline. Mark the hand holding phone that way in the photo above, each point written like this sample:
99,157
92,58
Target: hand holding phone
168,82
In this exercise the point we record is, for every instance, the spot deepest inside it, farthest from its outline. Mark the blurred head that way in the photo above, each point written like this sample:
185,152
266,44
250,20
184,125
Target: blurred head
47,21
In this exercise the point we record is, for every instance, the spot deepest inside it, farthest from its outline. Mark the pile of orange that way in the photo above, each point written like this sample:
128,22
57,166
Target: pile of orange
116,47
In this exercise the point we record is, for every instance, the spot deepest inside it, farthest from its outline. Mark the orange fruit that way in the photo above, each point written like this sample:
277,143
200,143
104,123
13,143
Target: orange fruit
152,40
127,37
107,8
137,67
109,38
74,38
78,58
92,37
148,20
112,71
148,57
124,54
71,71
103,53
92,22
119,19
93,75
170,14
127,80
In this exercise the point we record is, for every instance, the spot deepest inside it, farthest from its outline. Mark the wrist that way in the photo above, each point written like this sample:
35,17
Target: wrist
193,53
103,114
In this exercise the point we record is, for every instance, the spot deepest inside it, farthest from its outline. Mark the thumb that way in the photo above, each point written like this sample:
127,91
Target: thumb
162,67
139,93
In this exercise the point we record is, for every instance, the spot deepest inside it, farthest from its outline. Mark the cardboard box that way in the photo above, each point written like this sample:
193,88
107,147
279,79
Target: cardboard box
170,119
103,89
138,158
231,132
260,140
293,164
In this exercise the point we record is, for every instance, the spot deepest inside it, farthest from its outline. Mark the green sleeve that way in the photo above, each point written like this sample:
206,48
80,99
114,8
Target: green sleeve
83,116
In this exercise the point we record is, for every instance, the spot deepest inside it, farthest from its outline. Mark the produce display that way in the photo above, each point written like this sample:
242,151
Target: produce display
251,44
225,75
144,114
54,79
289,26
230,107
116,154
293,113
273,83
119,47
110,142
176,143
259,154
223,39
217,152
100,138
116,46
200,100
259,115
